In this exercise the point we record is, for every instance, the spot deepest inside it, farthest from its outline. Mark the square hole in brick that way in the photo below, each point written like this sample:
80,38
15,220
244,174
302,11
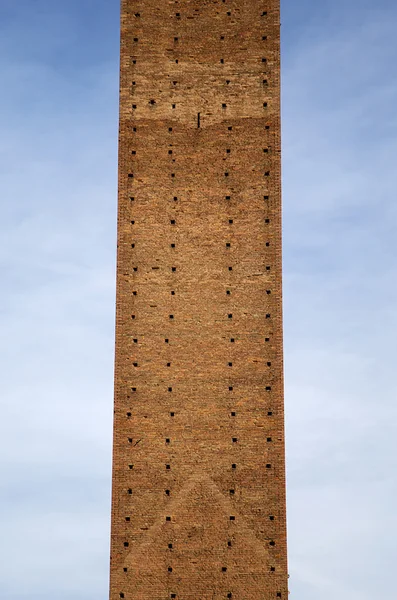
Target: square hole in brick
270,413
230,316
230,268
224,569
169,569
228,244
232,518
167,492
232,340
166,340
234,440
271,517
230,388
168,518
168,467
173,269
129,414
170,546
130,491
234,466
269,439
170,389
126,544
125,569
172,414
272,569
231,492
268,466
230,128
228,292
233,414
128,519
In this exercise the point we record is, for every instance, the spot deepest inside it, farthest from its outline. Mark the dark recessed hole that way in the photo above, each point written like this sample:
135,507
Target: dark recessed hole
269,439
135,268
232,340
135,341
167,492
271,517
172,293
232,518
264,37
230,268
268,466
232,414
172,245
234,440
230,364
130,440
173,269
272,543
268,388
172,414
230,221
126,544
270,414
231,492
130,468
166,340
172,221
169,128
129,414
230,316
228,292
128,519
227,197
168,518
167,440
266,197
222,61
272,569
269,364
168,467
230,128
234,466
170,389
130,490
170,546
125,569
227,244
169,569
224,569
226,174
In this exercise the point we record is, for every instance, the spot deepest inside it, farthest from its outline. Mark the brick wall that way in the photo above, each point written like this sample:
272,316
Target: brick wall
198,508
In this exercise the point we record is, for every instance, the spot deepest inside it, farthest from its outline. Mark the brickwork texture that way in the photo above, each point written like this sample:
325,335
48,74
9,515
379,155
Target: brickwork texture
198,506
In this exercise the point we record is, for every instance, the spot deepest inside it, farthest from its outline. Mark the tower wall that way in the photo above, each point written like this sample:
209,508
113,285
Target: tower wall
198,508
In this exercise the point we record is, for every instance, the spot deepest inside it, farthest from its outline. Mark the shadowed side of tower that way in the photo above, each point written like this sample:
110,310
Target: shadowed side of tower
198,509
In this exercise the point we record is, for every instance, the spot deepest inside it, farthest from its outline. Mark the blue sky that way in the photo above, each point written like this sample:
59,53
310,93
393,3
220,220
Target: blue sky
58,118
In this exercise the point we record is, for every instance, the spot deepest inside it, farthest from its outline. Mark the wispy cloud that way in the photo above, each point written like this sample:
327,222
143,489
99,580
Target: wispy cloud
339,198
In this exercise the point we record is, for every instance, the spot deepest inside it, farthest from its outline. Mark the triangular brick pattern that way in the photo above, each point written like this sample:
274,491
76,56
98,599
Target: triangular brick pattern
198,459
201,517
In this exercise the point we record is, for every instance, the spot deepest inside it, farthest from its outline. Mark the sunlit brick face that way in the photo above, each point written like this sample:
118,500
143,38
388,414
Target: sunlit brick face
198,510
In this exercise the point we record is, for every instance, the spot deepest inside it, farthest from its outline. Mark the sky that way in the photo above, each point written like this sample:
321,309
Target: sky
58,171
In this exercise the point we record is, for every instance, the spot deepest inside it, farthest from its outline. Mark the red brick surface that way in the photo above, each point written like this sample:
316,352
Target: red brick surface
198,507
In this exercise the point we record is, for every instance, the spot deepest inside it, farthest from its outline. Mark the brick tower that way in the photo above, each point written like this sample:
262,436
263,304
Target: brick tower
198,510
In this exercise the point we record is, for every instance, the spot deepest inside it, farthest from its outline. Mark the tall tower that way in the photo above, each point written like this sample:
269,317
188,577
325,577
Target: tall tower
198,509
